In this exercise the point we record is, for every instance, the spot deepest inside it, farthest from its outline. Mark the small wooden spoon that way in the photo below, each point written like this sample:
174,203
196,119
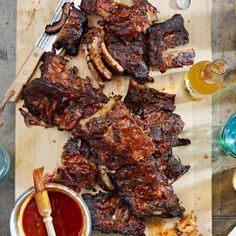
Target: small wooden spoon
42,201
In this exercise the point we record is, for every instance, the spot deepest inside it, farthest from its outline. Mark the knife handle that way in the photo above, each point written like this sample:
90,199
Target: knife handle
25,73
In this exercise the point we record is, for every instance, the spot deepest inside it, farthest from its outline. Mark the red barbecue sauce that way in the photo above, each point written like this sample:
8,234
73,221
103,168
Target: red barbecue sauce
66,213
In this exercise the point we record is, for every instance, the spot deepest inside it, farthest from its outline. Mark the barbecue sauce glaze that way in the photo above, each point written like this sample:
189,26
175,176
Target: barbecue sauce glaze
67,217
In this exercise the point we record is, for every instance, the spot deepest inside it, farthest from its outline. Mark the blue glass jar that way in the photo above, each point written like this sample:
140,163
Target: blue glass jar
4,162
228,137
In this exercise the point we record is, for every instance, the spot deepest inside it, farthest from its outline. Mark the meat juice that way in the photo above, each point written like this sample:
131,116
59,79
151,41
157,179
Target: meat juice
205,78
66,213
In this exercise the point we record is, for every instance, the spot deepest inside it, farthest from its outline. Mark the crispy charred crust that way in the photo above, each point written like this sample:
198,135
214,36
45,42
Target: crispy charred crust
154,112
123,20
142,100
72,31
183,142
60,97
130,54
56,26
110,214
77,170
163,127
147,190
169,34
32,120
117,139
173,169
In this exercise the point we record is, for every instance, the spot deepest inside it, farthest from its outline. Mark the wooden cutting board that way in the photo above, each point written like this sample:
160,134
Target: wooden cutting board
36,146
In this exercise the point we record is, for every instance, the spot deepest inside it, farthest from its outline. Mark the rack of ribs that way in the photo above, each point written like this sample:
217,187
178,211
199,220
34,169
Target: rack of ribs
115,137
169,34
154,112
123,20
111,214
59,97
146,189
76,169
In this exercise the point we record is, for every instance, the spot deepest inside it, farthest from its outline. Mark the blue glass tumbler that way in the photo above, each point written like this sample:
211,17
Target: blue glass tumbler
4,162
228,137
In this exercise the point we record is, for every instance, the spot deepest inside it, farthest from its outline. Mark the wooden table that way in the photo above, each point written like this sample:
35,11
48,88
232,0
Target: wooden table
36,146
223,43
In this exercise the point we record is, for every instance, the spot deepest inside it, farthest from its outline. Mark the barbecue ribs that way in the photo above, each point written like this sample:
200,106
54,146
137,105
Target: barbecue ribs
111,214
169,34
123,20
77,170
115,137
130,54
146,189
154,112
72,26
60,98
142,100
96,50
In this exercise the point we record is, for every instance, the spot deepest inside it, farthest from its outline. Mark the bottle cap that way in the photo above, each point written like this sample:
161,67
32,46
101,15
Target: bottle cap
183,4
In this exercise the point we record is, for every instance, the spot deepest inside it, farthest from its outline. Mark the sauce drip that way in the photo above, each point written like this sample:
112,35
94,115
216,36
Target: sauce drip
66,213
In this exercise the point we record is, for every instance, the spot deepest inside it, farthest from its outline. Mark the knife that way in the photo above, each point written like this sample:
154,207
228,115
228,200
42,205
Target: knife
43,44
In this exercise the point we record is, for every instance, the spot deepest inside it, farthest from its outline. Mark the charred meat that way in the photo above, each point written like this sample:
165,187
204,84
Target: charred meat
130,54
72,26
60,97
169,34
77,170
115,137
123,20
56,26
171,166
146,189
142,100
154,112
163,126
111,214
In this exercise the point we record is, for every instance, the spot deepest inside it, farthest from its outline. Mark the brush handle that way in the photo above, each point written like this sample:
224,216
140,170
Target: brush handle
49,226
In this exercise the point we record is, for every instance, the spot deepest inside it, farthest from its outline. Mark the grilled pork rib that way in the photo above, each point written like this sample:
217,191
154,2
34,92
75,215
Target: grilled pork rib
154,112
115,137
122,20
72,25
111,214
169,34
130,54
77,170
61,98
146,189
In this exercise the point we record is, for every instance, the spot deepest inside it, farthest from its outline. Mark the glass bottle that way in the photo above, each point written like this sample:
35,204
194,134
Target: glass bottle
4,162
228,137
205,78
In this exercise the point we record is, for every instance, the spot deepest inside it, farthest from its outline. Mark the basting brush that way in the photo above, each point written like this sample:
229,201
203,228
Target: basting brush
42,201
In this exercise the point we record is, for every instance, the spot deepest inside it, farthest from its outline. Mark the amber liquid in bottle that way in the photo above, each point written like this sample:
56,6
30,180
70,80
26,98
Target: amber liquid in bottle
205,78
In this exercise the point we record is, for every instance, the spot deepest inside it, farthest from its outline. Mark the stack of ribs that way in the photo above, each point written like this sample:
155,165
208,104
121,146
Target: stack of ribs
124,147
